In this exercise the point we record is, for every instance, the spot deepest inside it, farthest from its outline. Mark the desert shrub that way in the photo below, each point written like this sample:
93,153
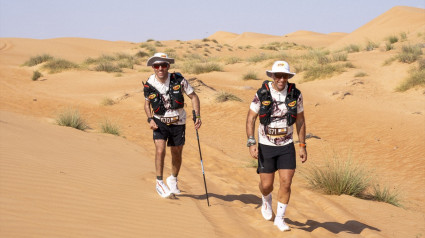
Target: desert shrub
352,48
318,56
388,46
149,48
370,45
360,74
224,97
416,78
393,39
110,128
322,71
385,194
71,118
58,65
200,68
338,176
339,56
206,40
142,54
258,58
36,75
149,40
159,44
232,60
107,101
403,36
107,67
215,41
38,60
409,53
250,75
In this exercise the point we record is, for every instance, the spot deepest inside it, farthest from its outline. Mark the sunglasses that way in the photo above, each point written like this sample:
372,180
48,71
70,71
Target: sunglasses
281,75
163,65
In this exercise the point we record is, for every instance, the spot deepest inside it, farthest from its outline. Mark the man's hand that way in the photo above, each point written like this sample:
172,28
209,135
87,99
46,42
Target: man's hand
253,151
153,125
303,154
198,123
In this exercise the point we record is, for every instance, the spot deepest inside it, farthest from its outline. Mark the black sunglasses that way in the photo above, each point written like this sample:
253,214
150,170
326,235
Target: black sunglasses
163,65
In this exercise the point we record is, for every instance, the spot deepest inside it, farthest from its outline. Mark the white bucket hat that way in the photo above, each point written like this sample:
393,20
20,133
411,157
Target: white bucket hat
159,57
280,67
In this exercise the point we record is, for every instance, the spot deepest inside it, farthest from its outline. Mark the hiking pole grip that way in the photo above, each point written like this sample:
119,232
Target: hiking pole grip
200,155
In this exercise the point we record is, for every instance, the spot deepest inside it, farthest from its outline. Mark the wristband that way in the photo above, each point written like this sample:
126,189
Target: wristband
251,141
303,145
150,119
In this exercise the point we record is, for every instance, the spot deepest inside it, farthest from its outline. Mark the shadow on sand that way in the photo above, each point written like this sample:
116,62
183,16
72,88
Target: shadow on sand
351,226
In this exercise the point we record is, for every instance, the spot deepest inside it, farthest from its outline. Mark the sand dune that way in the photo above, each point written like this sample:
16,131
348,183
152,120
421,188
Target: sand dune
61,182
397,20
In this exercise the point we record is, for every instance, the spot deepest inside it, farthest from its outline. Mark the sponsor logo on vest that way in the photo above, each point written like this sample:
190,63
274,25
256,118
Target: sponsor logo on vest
152,96
291,104
177,87
266,103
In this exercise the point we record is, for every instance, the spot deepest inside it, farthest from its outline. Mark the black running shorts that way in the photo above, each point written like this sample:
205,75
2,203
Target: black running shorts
175,134
272,158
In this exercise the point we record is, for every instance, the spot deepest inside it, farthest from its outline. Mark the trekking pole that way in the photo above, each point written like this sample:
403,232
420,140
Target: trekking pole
200,154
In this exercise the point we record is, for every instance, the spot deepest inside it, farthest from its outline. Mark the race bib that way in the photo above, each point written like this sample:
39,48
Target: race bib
169,120
276,131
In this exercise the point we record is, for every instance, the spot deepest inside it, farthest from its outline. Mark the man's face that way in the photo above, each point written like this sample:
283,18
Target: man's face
280,80
161,70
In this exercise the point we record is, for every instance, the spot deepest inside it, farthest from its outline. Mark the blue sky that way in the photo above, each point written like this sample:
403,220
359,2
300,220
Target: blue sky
139,20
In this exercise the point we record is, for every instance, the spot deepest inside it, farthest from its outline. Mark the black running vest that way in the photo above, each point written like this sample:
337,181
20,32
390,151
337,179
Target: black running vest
175,92
266,105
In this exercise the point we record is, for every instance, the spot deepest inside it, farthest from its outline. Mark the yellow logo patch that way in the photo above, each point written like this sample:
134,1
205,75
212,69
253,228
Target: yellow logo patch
177,87
152,96
291,104
266,103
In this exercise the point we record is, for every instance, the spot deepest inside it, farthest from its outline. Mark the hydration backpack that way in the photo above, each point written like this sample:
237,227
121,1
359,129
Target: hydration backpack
175,92
266,101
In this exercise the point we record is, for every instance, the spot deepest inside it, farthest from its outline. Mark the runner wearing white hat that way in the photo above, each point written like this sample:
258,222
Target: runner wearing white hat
164,94
279,105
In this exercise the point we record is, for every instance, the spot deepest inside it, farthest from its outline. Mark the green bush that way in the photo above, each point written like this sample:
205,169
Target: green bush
360,74
200,68
58,65
409,53
352,48
36,75
416,78
371,46
232,60
71,118
224,97
338,176
385,195
110,128
322,71
38,60
339,56
250,75
393,39
142,54
388,46
107,67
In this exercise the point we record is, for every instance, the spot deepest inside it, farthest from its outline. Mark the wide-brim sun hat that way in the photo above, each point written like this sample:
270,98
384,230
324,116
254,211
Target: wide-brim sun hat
159,57
280,67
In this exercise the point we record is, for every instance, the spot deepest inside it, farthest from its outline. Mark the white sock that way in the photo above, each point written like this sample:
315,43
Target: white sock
267,197
281,208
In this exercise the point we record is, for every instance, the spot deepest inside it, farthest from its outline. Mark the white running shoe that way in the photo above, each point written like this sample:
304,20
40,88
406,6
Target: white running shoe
266,208
162,189
172,184
280,223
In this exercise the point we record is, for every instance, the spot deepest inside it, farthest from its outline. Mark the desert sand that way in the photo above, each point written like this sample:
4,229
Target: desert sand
61,182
